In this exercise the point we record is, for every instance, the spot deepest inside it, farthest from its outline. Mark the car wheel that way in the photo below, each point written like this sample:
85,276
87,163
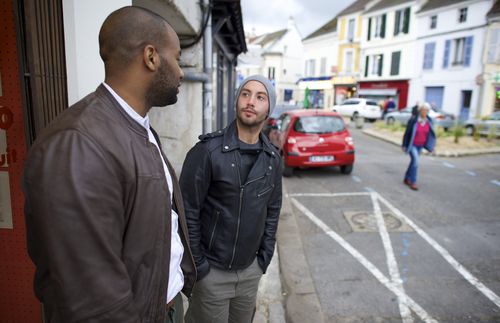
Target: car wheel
346,169
390,120
469,130
287,170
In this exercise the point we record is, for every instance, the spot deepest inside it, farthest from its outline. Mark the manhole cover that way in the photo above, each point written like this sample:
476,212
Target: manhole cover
365,222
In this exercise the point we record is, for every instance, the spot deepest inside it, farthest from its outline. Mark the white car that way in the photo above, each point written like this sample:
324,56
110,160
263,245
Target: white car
358,107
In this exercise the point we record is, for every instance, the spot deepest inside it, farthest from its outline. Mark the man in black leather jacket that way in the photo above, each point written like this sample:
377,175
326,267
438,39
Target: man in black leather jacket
231,184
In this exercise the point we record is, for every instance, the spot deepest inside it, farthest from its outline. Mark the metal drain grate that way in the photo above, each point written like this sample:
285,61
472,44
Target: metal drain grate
363,221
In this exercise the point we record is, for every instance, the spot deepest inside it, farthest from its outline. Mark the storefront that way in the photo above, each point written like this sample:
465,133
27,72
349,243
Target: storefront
319,91
345,87
381,90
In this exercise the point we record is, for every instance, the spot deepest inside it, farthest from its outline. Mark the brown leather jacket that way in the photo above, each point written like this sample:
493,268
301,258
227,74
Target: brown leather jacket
98,217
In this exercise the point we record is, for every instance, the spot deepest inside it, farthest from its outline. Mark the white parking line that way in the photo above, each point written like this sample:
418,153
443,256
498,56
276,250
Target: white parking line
495,182
449,165
356,179
327,194
365,262
445,254
391,260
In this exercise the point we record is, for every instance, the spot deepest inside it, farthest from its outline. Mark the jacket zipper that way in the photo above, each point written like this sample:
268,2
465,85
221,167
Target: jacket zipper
213,231
242,189
266,191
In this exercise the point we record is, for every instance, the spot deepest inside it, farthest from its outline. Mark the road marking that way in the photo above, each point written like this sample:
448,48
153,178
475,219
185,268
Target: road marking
327,194
424,316
495,182
356,179
449,165
470,173
391,260
445,254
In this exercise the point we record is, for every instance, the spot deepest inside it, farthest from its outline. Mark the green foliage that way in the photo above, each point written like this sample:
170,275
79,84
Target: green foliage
458,132
441,133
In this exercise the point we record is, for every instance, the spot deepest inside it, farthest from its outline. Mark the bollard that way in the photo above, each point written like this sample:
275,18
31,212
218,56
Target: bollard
359,122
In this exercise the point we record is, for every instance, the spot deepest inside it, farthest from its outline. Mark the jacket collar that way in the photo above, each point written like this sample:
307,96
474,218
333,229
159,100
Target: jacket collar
114,106
230,140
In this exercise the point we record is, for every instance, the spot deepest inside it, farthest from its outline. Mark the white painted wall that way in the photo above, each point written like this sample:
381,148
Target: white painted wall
391,43
179,125
316,48
82,22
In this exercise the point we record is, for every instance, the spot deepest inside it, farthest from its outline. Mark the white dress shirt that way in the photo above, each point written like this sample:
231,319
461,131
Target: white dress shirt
176,277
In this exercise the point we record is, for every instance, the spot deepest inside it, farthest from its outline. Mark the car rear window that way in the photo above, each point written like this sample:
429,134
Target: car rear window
318,124
371,103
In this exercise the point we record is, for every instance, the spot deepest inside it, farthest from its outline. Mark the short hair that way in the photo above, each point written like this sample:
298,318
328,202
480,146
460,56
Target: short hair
126,31
424,105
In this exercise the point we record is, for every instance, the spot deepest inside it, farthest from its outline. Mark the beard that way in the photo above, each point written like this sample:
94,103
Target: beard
255,123
163,89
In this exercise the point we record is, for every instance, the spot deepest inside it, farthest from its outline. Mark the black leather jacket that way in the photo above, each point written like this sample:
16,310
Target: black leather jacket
230,223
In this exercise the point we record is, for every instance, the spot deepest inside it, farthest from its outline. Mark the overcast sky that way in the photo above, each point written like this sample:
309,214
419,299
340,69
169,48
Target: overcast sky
271,15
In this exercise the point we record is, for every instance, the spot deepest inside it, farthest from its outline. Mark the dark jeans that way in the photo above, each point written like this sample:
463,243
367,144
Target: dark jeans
411,172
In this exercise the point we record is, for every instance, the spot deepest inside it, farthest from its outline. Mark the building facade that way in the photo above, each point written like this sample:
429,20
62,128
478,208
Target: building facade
345,82
320,64
387,45
449,59
279,56
489,98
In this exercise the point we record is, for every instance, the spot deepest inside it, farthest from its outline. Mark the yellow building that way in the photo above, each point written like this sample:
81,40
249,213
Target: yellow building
348,67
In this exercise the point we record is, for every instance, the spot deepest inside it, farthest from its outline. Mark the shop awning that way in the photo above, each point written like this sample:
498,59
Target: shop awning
377,92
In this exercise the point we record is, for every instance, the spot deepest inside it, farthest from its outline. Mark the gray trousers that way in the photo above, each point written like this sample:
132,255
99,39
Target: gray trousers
225,296
176,313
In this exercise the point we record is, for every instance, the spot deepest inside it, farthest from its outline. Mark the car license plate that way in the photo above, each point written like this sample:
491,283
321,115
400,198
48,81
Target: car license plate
320,159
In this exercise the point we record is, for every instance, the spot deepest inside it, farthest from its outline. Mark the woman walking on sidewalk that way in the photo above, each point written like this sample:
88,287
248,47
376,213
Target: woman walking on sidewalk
419,134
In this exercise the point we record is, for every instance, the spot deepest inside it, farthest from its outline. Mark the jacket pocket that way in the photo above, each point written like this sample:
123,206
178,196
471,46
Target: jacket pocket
212,235
265,191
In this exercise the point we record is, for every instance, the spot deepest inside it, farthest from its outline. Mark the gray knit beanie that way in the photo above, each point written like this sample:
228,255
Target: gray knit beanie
271,93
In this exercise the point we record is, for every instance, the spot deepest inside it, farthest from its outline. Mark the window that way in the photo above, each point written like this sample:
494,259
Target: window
462,15
494,47
348,61
376,64
395,59
458,52
378,30
429,56
434,20
323,66
270,73
350,30
402,21
319,124
310,67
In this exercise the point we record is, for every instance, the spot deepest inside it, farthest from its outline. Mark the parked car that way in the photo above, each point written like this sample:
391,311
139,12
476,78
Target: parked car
440,118
484,125
314,138
359,107
277,111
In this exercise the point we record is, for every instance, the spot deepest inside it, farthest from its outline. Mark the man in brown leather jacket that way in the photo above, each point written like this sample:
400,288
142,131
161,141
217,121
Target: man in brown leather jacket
104,213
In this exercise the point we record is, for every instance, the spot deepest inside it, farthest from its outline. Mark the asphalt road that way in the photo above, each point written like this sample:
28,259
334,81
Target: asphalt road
380,252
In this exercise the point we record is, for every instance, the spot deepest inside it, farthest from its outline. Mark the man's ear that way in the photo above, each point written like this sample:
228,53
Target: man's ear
149,57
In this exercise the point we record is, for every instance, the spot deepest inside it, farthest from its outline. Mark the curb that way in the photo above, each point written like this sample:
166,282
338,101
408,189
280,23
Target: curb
302,303
446,153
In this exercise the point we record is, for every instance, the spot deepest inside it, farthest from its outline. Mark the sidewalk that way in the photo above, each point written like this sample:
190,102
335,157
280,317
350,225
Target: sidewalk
439,153
296,301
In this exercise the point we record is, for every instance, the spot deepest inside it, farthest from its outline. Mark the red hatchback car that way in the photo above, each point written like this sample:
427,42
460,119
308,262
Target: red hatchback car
314,138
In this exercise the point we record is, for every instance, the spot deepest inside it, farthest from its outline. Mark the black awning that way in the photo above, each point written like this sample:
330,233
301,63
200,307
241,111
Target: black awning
227,25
